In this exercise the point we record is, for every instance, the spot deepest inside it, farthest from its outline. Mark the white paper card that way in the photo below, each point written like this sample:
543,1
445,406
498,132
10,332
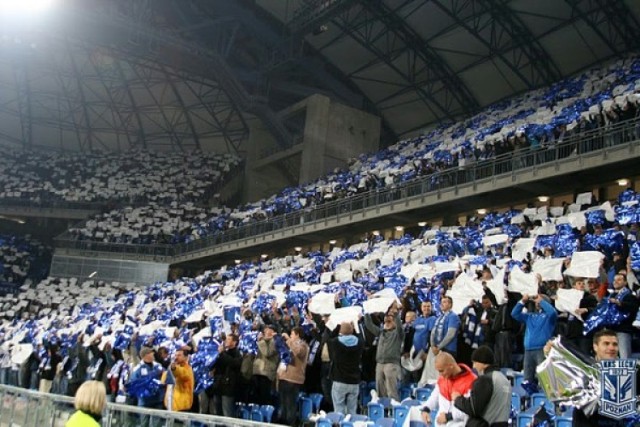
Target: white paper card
549,268
521,282
585,264
568,300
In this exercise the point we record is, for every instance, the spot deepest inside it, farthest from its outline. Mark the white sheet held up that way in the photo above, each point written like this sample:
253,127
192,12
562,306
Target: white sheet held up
463,291
344,314
585,264
549,268
568,300
323,303
519,281
377,305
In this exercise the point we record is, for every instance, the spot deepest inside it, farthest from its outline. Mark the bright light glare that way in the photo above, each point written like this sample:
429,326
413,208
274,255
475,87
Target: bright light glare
24,6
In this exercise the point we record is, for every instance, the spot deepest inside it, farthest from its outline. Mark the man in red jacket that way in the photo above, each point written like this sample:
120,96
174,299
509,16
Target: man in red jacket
455,379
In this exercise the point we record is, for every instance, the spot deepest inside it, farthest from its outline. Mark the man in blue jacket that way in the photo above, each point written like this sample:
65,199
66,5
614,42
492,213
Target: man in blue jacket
149,367
539,327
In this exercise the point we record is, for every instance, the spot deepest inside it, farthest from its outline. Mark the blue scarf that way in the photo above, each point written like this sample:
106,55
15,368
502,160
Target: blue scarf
439,328
472,330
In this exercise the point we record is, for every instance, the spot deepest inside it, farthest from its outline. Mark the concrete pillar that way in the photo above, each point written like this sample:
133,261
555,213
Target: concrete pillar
332,134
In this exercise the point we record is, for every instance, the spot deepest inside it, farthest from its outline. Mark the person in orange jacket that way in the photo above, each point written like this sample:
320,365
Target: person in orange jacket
180,396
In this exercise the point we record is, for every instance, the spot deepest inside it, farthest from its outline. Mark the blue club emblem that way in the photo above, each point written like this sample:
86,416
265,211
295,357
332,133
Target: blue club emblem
618,388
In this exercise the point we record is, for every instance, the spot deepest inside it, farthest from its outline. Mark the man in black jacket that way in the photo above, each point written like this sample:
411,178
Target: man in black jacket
225,378
628,304
76,366
605,347
48,368
490,400
345,351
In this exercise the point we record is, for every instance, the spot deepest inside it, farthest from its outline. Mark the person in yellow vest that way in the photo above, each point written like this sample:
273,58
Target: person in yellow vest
90,401
180,396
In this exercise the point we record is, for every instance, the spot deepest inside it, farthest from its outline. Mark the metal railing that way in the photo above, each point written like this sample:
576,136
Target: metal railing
577,144
47,203
27,408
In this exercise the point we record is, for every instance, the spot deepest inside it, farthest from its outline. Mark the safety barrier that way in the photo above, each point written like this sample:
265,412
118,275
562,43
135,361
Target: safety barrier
26,408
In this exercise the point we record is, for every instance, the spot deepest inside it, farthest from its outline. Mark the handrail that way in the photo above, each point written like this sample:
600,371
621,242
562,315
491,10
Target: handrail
54,407
577,144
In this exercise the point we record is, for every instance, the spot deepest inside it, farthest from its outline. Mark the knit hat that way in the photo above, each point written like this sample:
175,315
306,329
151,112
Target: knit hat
346,328
483,354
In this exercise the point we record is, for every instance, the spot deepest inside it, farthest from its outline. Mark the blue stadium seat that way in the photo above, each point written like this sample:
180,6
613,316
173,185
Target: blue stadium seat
518,377
540,399
423,393
305,408
316,398
564,421
385,422
375,411
524,420
404,392
400,413
516,402
335,417
267,412
411,402
256,414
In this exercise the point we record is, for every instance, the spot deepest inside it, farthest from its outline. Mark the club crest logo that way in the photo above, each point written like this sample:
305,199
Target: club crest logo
618,388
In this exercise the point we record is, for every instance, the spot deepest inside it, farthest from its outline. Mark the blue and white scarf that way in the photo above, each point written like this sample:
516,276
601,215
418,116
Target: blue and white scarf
439,329
472,330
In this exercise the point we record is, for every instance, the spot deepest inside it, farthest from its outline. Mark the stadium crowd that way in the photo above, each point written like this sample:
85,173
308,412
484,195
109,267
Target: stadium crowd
135,177
22,260
381,311
539,120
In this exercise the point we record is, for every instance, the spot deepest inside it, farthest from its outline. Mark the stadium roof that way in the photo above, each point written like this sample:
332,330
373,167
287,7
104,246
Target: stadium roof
178,74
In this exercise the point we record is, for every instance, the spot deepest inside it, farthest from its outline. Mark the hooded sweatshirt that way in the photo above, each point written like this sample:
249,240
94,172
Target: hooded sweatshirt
346,355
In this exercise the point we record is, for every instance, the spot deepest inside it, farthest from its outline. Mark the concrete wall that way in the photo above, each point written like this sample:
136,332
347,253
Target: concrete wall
260,181
333,133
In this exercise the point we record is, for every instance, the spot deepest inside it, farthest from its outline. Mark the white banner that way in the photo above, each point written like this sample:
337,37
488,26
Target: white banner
345,314
519,281
568,300
549,268
464,290
323,303
585,264
377,305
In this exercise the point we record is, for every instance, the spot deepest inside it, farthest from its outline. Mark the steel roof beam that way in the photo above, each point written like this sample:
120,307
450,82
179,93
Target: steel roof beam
134,106
184,109
507,35
398,39
165,48
313,13
23,89
620,25
114,106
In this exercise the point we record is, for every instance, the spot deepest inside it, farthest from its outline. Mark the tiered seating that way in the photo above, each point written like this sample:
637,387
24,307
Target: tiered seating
131,177
56,298
538,119
153,223
514,239
21,259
